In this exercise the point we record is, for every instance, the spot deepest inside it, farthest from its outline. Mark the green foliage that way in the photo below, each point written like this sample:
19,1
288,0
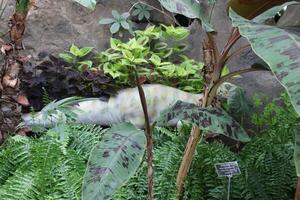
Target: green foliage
282,57
22,6
112,161
266,164
39,169
142,11
76,57
211,119
118,21
154,54
91,4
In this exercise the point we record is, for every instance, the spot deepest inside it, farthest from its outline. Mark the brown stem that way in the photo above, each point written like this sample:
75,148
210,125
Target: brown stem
237,52
213,90
210,54
148,137
297,196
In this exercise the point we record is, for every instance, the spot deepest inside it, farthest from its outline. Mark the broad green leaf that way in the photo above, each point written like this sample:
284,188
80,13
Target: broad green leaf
125,15
113,161
191,9
210,119
74,50
115,27
85,50
66,57
114,43
271,12
116,14
160,45
106,21
155,59
91,4
84,65
279,48
125,24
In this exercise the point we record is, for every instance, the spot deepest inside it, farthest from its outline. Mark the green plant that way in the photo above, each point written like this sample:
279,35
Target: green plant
112,161
37,168
266,164
76,56
215,61
118,21
153,52
142,11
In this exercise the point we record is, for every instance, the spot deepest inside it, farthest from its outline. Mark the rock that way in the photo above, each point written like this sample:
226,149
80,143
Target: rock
56,24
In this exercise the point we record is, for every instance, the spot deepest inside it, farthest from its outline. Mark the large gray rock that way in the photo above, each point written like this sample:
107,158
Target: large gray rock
56,24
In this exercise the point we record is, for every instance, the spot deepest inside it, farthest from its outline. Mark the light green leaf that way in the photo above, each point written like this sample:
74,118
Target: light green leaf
116,14
67,57
106,21
191,9
74,50
115,27
114,43
125,15
139,61
113,161
125,24
90,4
155,59
127,54
84,65
160,45
210,119
85,50
279,48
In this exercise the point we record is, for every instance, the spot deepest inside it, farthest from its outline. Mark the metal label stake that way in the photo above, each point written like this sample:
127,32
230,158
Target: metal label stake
228,169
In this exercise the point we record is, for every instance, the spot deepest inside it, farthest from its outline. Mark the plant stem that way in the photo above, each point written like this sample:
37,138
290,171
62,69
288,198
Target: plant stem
297,196
149,138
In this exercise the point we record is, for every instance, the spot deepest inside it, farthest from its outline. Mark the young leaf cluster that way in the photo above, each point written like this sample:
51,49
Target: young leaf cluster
142,11
154,54
76,56
118,21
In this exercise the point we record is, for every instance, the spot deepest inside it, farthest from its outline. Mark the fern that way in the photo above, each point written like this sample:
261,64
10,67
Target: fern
38,168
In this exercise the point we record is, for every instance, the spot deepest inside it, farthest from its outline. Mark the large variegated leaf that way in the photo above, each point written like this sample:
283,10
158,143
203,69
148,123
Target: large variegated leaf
113,161
272,12
279,48
200,9
251,8
91,4
210,119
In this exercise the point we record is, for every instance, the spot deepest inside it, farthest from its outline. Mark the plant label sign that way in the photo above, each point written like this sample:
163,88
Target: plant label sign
227,169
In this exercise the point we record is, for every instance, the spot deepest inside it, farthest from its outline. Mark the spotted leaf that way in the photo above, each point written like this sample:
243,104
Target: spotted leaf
113,161
200,9
210,119
279,48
